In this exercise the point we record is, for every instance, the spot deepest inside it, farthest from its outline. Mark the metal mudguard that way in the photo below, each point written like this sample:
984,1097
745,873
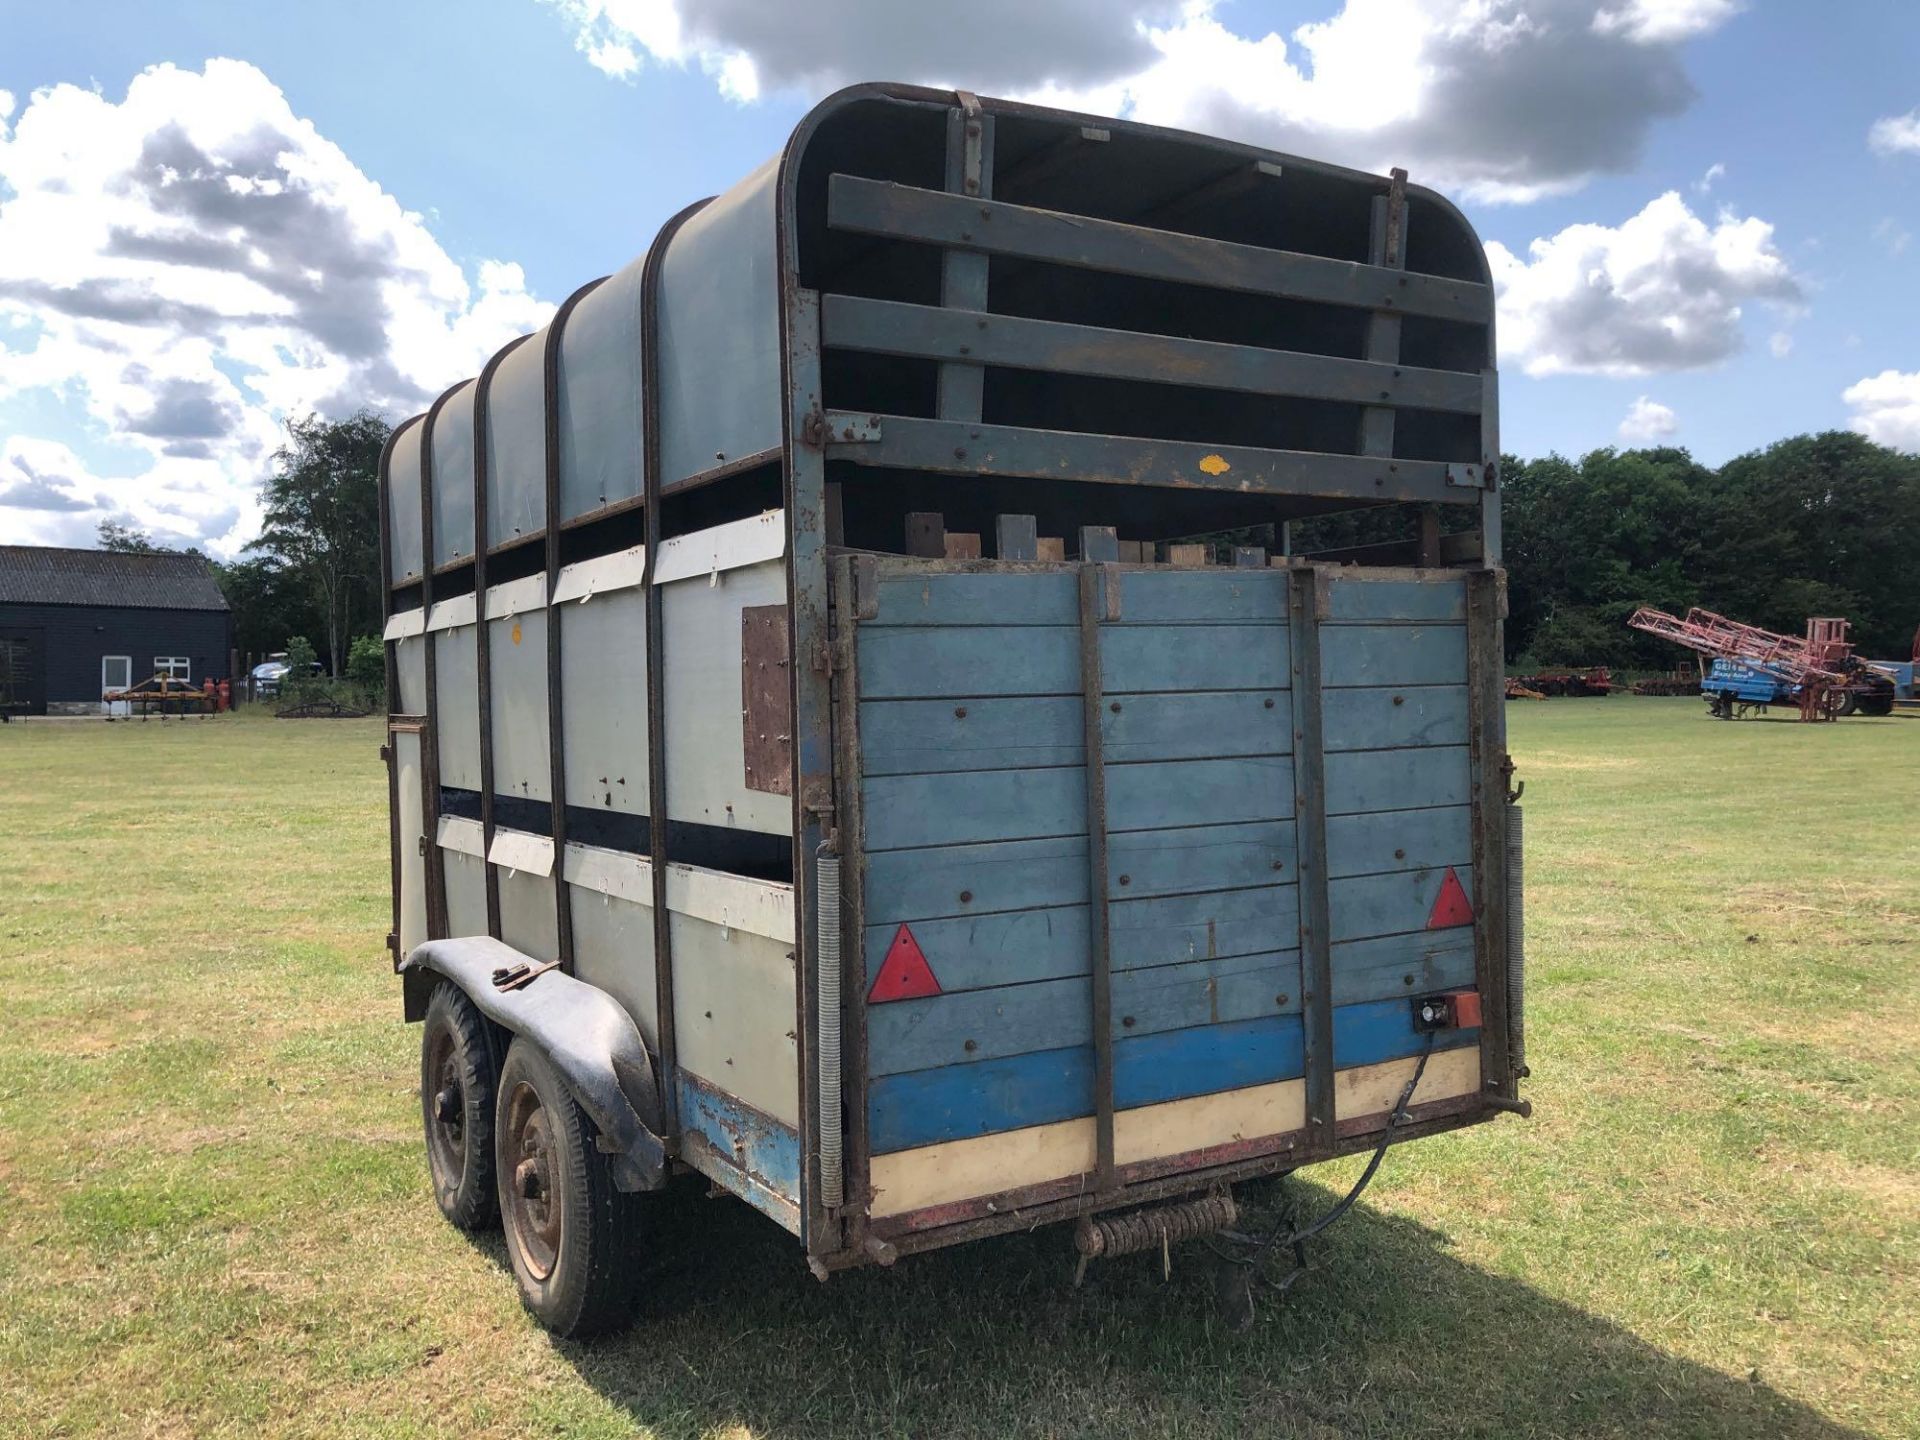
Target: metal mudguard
584,1032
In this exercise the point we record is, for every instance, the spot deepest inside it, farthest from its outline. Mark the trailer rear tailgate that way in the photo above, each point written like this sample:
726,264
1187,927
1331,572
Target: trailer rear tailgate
1273,746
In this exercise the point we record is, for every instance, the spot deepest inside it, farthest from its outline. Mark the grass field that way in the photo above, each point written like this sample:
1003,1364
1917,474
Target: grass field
216,1222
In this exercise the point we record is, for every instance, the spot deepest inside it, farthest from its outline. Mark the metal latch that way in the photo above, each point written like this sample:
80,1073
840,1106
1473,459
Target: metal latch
844,428
1468,477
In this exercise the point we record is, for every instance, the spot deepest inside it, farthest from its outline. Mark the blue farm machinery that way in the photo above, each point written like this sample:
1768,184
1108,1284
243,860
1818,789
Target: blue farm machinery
1751,668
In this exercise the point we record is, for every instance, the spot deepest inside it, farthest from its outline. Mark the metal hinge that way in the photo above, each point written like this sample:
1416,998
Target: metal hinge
1470,477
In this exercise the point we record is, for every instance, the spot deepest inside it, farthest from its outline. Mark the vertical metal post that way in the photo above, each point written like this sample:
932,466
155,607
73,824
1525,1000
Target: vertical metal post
556,727
436,867
651,486
1305,588
482,632
850,824
1386,245
963,274
1488,768
384,491
1092,705
815,819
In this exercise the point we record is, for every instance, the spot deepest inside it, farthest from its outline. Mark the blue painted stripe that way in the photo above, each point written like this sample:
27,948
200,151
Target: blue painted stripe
925,1107
752,1139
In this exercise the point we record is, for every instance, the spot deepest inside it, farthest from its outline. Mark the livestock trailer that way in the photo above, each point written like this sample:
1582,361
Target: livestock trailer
817,760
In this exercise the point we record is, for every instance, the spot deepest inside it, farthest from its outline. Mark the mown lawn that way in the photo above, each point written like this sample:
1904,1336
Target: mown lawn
214,1218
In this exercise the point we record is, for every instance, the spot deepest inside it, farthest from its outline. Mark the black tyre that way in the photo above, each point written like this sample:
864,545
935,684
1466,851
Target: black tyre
573,1237
1876,704
459,1076
1849,702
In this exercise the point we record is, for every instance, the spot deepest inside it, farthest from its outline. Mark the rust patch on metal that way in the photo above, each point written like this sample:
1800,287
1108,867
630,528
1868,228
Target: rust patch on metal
766,698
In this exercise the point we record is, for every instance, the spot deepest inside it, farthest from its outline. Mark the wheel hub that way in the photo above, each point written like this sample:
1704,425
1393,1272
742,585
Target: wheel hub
534,1206
446,1116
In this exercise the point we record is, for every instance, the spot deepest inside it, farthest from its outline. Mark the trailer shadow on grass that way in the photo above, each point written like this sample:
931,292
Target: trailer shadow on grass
1390,1336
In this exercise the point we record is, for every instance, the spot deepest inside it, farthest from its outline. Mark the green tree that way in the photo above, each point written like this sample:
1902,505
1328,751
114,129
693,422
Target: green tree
322,522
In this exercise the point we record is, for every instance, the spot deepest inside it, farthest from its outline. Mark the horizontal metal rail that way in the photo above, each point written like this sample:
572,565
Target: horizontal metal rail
955,447
993,227
892,327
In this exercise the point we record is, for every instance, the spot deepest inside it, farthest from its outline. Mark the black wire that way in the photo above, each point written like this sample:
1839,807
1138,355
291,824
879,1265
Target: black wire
1297,1237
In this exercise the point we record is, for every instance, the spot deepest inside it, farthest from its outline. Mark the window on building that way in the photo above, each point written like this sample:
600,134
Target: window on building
174,667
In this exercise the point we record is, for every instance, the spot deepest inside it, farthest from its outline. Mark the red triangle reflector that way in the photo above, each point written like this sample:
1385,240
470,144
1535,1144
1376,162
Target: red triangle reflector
904,974
1451,906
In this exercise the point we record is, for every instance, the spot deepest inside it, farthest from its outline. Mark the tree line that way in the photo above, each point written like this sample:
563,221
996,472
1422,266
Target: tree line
1825,524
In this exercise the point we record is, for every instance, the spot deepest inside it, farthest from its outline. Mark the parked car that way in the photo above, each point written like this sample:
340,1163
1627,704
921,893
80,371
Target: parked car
270,674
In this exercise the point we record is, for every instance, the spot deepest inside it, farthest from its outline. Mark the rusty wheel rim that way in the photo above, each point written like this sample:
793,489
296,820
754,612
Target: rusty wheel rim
531,1182
444,1098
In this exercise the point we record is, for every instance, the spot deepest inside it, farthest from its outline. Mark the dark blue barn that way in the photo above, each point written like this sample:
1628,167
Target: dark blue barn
74,623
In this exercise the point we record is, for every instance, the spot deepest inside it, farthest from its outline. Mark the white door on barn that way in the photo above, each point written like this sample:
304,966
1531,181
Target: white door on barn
116,673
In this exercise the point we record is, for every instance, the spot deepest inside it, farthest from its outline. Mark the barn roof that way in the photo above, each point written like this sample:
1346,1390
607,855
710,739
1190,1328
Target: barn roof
51,575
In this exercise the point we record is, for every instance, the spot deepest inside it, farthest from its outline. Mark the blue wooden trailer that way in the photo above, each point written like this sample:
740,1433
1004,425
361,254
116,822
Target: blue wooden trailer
822,757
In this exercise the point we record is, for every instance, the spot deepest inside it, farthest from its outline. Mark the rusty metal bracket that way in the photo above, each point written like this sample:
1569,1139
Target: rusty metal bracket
838,427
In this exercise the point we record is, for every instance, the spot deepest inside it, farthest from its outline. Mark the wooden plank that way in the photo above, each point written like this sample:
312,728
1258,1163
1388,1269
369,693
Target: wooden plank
1424,962
1136,552
975,662
926,533
962,807
1394,655
951,447
1158,794
1360,781
1370,718
1173,928
1099,543
1391,904
962,545
1193,657
891,327
973,1026
904,737
973,952
1220,597
926,1107
1355,597
1025,874
939,1175
1051,547
1187,555
877,207
1373,844
976,598
1016,537
980,661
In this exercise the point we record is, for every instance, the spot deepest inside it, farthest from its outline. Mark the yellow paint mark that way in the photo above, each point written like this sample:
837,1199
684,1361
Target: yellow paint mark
1214,464
516,632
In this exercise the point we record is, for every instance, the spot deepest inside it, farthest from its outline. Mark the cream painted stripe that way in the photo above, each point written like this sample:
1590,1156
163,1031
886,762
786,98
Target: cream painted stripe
1375,1089
406,623
907,1180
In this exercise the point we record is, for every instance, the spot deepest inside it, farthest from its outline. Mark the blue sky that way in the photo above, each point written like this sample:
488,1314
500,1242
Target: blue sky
1691,224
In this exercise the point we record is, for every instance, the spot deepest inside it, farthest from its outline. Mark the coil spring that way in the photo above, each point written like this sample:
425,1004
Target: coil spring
1153,1229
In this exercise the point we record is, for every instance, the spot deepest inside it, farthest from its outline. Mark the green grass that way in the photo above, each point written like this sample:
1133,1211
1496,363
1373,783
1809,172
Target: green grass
214,1219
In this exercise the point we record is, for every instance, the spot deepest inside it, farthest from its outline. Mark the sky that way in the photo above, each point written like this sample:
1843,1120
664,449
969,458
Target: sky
1701,215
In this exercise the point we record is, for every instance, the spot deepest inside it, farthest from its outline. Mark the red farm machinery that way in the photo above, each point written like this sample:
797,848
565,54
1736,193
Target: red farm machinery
1752,668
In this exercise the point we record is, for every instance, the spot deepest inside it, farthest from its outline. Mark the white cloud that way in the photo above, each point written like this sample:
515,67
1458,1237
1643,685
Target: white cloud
1662,22
1716,172
1647,421
1892,234
1662,291
1505,100
195,263
1895,134
1780,344
1886,408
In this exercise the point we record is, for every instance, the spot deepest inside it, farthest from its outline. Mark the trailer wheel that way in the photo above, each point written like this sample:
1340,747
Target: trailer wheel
573,1237
1849,703
459,1072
